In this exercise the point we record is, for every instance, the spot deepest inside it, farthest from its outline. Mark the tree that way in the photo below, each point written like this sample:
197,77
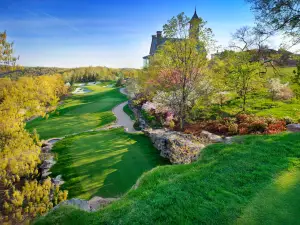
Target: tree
278,15
181,63
7,60
251,39
21,195
296,79
243,75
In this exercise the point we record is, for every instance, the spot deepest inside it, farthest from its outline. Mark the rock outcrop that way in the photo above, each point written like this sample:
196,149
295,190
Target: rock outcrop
48,158
92,205
178,147
293,127
212,137
138,115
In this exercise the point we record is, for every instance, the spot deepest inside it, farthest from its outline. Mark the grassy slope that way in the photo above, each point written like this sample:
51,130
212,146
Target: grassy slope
259,104
284,73
129,112
80,113
253,181
105,163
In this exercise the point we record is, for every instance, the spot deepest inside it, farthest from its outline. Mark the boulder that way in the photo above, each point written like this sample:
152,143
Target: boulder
178,147
99,202
293,127
78,203
46,149
57,180
47,164
212,137
92,205
46,173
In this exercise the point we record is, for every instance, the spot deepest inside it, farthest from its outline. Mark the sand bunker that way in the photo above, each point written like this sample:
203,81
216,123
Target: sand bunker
81,90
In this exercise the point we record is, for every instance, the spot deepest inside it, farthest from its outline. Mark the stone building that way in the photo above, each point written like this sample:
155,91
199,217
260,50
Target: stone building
158,39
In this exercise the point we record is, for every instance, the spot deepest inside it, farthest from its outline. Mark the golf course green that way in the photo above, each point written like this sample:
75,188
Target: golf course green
104,163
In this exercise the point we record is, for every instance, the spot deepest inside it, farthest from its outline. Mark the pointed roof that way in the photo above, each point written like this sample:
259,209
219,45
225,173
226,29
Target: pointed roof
195,16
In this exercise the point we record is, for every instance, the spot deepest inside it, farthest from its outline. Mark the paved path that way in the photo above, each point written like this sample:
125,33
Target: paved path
122,118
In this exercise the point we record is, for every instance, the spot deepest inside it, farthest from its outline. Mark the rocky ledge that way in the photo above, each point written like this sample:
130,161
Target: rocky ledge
181,148
92,205
293,127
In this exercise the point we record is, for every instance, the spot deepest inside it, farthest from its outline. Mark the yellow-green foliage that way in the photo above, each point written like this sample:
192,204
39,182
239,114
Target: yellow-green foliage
21,196
34,199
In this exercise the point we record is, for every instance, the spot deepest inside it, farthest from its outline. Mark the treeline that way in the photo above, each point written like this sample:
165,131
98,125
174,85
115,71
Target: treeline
92,74
81,74
31,71
22,195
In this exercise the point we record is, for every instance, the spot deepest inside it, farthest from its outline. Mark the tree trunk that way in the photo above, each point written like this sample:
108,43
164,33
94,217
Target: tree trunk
244,103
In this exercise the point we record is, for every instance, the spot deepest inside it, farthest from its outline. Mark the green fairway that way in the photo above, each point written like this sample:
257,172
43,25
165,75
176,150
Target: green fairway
105,163
255,180
80,113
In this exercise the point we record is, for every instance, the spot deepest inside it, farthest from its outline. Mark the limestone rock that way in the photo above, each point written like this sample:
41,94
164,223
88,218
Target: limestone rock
178,147
92,205
78,203
212,137
99,202
46,149
57,180
293,127
47,164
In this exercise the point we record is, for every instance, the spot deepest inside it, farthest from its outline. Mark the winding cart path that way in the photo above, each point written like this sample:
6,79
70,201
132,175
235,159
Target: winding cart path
122,118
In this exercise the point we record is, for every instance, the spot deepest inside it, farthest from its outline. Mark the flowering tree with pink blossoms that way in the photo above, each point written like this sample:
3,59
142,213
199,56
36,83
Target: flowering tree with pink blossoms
181,63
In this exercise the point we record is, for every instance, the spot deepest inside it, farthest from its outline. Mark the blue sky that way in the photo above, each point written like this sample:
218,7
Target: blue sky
113,33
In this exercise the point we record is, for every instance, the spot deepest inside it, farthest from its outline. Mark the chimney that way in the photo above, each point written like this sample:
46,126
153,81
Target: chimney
158,34
159,37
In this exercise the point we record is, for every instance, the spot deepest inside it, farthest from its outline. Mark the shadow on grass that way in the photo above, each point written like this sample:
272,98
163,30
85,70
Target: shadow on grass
105,163
216,189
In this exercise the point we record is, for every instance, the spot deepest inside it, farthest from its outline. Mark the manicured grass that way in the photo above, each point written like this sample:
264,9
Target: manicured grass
104,163
255,180
80,113
263,106
285,73
129,112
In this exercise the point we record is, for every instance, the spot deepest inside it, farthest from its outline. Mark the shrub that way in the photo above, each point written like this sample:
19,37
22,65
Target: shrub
242,124
276,128
243,131
233,129
136,125
285,94
171,124
258,126
288,120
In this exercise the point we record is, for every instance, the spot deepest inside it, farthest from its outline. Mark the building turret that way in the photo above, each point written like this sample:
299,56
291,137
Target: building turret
195,26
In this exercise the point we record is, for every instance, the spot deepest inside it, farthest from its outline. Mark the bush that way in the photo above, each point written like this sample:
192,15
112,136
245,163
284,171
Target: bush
136,125
233,129
288,120
242,124
258,126
276,128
